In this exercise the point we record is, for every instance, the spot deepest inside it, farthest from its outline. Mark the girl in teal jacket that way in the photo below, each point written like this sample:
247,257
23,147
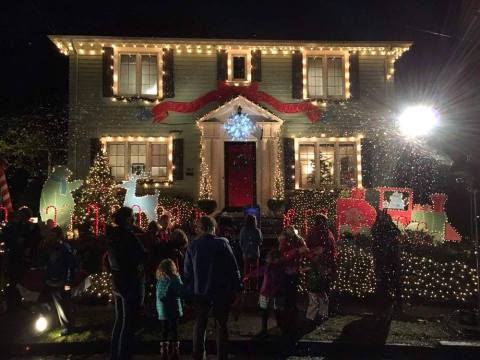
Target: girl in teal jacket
169,307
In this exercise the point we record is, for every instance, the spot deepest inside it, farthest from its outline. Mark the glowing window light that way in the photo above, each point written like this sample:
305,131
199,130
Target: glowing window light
239,126
417,121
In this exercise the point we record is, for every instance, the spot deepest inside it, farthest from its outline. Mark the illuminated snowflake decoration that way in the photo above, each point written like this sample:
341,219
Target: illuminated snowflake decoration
239,126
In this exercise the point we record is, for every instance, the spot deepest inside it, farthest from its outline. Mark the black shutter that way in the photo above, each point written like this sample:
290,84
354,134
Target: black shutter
168,85
222,70
297,75
107,62
289,163
95,148
354,76
256,65
177,156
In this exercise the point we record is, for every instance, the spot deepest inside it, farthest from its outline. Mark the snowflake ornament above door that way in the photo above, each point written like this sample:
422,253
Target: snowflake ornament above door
239,126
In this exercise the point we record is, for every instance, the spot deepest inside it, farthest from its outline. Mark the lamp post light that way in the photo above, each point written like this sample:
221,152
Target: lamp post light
417,121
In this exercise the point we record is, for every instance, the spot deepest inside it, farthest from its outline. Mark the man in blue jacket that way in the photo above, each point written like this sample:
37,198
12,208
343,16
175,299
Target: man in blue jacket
212,277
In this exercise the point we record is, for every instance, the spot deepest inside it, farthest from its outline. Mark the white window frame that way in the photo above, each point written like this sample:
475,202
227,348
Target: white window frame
118,51
139,140
248,65
325,55
355,141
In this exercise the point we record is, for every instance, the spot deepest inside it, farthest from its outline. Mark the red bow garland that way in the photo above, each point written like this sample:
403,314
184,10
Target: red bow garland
226,92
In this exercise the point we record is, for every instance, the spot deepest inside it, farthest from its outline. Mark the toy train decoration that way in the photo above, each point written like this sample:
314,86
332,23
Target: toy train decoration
356,215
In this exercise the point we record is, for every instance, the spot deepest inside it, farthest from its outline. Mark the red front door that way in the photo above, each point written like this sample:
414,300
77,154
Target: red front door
240,181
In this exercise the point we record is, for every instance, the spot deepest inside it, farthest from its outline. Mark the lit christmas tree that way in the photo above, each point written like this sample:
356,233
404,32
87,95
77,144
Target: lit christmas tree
325,170
98,188
206,191
278,183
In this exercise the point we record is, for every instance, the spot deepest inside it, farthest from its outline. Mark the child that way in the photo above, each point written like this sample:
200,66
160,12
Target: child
272,290
169,306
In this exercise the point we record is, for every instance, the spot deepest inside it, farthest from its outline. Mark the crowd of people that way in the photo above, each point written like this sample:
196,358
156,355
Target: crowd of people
208,270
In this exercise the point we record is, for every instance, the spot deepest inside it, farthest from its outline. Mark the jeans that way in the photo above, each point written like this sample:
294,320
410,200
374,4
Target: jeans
221,310
170,330
126,308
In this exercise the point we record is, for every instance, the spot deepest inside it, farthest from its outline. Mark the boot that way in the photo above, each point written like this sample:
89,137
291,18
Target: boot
164,350
174,350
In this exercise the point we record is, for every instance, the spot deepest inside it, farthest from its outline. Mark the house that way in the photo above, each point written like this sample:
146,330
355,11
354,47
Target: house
227,119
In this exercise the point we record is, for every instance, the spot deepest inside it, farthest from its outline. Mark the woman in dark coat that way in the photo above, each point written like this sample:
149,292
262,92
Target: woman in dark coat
386,254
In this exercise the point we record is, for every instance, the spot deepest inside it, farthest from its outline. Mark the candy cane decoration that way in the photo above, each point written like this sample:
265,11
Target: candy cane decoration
96,211
4,193
139,214
55,212
175,212
307,213
287,217
5,213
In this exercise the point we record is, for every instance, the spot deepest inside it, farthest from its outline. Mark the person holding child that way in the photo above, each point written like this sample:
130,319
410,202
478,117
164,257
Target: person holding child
322,270
169,307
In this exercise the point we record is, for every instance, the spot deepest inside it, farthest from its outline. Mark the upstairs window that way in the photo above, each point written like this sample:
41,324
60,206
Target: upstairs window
138,75
239,66
325,76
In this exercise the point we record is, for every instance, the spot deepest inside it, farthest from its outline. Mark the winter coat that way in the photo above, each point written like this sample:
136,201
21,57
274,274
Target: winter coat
274,281
169,304
210,268
61,265
126,257
290,256
250,242
325,263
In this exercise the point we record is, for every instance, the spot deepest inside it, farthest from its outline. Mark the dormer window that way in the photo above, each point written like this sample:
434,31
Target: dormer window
239,66
138,74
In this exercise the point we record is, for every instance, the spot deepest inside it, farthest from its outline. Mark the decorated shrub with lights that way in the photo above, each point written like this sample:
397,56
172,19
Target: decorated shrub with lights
430,274
307,203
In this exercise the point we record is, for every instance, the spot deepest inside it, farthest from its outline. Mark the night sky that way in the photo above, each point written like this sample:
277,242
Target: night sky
442,68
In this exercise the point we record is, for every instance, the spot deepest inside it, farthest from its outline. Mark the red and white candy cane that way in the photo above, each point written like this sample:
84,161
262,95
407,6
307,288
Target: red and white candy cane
5,213
287,217
306,214
175,212
139,214
96,210
55,213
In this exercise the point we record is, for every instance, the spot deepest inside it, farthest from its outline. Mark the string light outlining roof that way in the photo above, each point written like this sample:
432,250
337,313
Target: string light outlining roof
92,45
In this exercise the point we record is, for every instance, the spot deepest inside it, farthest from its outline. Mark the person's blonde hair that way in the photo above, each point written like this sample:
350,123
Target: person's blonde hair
166,267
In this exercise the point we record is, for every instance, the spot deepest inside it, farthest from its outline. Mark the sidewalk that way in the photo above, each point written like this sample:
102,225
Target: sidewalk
419,333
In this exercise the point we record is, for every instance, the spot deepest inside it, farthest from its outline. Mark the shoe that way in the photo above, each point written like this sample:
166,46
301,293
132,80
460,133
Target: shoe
164,350
174,350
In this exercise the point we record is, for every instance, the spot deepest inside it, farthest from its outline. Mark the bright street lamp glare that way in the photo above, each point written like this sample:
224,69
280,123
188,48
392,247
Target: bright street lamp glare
417,121
41,324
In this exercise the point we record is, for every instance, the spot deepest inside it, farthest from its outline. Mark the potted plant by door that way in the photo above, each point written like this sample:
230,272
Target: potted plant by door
208,206
276,206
